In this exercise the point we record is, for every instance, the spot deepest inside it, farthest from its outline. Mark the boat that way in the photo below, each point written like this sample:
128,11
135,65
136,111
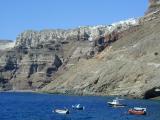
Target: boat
137,111
61,111
116,103
78,107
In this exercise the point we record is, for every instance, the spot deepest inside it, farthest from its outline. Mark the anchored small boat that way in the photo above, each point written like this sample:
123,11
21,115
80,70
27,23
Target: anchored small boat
78,107
116,103
61,111
137,111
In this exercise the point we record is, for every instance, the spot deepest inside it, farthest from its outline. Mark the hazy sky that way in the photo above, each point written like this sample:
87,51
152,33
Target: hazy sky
17,16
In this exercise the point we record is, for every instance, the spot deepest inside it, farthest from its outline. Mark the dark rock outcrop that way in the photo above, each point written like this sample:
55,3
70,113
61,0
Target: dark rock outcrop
154,92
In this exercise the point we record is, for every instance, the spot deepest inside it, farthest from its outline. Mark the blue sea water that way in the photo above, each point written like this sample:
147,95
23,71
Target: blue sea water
32,106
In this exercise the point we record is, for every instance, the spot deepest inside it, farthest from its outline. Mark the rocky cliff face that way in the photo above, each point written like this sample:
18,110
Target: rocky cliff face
6,44
118,59
154,5
30,39
127,67
38,56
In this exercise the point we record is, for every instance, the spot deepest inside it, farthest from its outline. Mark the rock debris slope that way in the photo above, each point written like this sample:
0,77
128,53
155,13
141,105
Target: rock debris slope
118,59
129,66
38,56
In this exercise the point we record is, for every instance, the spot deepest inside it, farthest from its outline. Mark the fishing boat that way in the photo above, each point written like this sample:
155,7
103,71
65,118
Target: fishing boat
78,107
137,111
61,111
116,103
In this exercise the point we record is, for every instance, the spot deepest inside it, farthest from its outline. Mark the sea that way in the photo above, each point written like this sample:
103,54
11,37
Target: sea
34,106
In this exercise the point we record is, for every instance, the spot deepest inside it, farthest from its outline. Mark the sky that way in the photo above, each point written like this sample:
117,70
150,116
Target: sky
17,16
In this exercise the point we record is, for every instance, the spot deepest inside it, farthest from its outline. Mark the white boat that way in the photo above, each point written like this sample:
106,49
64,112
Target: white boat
116,103
61,111
78,107
140,108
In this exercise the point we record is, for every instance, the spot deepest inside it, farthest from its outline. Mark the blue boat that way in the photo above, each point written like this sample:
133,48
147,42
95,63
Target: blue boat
78,107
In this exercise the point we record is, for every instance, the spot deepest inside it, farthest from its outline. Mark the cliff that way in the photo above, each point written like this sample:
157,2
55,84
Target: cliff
118,59
127,67
154,5
6,44
38,56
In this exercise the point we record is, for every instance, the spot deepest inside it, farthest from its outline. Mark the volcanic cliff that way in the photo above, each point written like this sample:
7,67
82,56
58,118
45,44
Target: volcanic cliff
118,59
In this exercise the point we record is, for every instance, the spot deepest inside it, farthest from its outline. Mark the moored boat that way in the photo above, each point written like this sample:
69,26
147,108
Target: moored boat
78,107
116,103
137,111
61,111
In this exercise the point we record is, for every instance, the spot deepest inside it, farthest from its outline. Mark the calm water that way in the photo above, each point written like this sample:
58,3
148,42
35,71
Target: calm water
30,106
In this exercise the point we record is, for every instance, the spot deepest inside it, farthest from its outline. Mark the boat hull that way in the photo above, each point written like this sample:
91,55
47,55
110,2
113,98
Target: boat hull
116,105
59,111
81,108
136,112
78,107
